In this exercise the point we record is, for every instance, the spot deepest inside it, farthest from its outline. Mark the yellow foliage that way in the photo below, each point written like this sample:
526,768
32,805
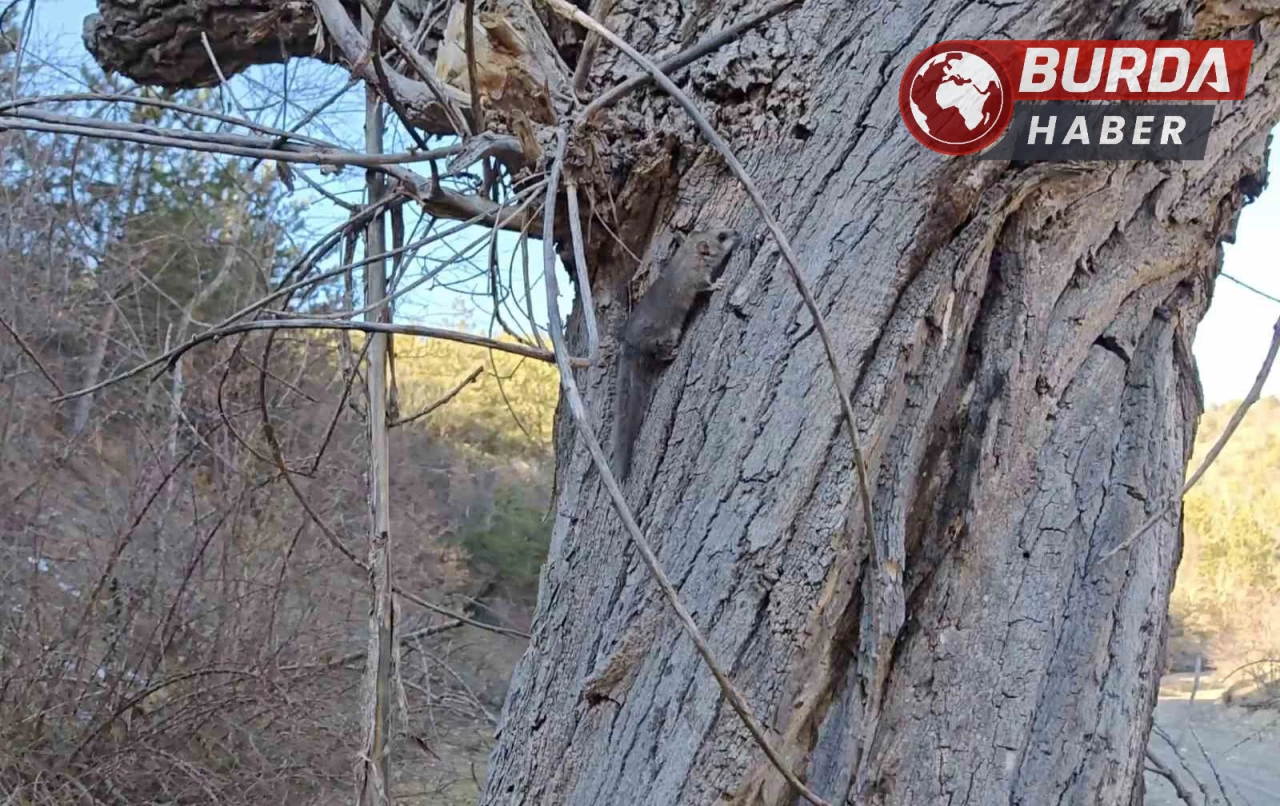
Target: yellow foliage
507,412
1231,557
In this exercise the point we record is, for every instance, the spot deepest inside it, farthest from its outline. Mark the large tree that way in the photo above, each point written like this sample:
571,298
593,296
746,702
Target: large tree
1017,340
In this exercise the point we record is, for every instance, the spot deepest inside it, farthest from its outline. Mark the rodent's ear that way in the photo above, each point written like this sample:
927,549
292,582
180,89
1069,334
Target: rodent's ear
704,246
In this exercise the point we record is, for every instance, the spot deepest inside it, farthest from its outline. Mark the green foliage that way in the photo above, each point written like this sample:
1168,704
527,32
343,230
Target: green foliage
508,542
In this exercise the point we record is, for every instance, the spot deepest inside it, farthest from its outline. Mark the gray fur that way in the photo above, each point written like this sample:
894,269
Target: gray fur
652,332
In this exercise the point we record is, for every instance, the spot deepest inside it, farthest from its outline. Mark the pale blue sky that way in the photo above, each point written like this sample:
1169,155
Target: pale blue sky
1233,338
1231,341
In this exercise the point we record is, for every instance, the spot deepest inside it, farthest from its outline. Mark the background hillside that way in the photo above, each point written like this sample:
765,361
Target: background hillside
1226,602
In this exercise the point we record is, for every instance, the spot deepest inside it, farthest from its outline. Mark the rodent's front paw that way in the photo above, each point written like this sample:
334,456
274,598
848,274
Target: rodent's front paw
665,350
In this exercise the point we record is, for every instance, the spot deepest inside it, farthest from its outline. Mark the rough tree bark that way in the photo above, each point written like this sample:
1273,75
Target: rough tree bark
1019,336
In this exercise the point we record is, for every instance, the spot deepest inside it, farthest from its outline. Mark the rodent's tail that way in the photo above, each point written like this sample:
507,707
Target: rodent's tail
631,401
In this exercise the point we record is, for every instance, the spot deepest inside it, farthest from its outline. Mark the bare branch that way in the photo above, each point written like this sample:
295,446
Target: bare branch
506,148
1213,768
580,271
444,611
376,708
384,82
442,203
1179,786
463,337
582,71
26,348
450,395
222,79
283,135
434,107
473,79
213,143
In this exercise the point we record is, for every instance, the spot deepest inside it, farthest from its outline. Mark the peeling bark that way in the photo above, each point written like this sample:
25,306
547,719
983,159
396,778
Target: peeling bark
158,41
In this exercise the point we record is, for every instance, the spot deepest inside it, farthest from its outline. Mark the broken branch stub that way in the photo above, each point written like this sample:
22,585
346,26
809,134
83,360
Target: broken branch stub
512,81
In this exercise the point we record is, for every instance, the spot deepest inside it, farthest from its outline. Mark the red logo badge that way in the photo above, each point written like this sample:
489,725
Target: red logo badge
956,98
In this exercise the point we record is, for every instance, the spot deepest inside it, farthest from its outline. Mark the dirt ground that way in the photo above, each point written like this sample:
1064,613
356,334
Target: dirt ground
1243,746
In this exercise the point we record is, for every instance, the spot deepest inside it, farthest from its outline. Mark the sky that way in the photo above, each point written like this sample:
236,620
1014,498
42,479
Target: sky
1230,343
1232,340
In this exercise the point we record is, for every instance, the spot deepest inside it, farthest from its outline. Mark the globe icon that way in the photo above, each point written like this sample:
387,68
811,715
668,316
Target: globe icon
956,97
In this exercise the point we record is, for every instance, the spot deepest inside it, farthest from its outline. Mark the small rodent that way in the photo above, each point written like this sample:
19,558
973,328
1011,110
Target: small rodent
652,331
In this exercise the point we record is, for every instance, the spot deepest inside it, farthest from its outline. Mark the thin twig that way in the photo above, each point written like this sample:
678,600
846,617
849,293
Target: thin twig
444,611
580,270
584,431
1179,786
1213,768
26,348
222,79
450,395
282,135
349,375
1182,761
313,114
24,34
1246,286
1254,393
192,141
367,327
384,82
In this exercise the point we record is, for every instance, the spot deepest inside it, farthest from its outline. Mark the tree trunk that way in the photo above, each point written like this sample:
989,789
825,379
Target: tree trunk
1021,342
1018,339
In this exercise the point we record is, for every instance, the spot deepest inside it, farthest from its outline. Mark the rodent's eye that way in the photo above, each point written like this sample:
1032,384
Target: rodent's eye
722,236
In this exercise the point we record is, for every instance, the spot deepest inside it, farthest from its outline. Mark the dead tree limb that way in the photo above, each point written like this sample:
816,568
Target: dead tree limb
26,348
1155,765
445,398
